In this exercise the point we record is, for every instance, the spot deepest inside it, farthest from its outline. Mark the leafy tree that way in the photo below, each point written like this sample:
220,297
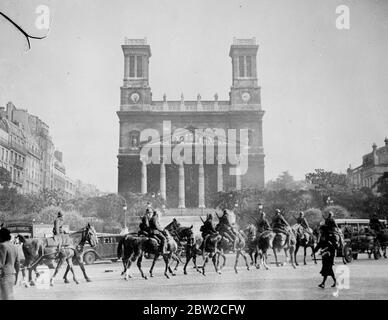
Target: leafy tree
5,178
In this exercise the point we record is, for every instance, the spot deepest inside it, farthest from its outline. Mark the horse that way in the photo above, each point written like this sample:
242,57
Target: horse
305,239
279,243
184,237
239,246
382,240
37,250
335,237
209,249
250,232
132,248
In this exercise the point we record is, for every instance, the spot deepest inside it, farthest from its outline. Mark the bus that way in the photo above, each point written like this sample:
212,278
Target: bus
355,225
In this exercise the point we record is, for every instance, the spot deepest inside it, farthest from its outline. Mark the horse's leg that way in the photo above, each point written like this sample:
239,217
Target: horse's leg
206,259
139,265
286,256
69,261
127,266
188,258
245,258
65,275
166,262
236,261
82,266
153,265
304,257
276,257
296,251
292,249
177,264
56,271
215,262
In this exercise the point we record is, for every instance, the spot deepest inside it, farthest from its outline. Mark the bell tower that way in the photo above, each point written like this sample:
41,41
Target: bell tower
136,91
244,90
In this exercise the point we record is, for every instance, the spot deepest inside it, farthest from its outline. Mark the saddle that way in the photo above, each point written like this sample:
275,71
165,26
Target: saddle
61,239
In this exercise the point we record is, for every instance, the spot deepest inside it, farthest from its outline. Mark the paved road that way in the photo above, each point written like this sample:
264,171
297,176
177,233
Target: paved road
368,280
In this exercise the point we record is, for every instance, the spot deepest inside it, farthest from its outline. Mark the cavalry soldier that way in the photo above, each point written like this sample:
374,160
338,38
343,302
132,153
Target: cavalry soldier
157,231
375,224
281,224
263,224
58,224
145,224
225,227
302,221
332,226
208,228
58,230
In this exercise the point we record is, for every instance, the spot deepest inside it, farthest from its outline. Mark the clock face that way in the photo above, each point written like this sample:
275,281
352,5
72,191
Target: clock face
135,97
245,97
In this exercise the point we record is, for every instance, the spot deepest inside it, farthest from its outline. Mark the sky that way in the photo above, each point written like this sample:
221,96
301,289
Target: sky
324,90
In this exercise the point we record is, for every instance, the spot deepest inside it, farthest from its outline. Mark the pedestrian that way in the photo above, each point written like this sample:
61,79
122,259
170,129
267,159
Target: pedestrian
328,254
9,265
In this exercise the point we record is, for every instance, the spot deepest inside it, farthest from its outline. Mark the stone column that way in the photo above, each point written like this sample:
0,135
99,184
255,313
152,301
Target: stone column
220,178
143,177
163,181
181,204
201,186
238,179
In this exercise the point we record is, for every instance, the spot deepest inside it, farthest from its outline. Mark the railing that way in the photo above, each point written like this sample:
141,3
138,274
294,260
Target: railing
128,41
242,42
214,107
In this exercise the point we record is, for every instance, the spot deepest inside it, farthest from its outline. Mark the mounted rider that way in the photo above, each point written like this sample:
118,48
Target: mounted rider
280,224
58,231
157,231
144,226
263,223
375,224
304,226
208,229
226,229
332,227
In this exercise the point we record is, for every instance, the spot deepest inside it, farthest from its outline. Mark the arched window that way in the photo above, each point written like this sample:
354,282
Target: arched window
134,137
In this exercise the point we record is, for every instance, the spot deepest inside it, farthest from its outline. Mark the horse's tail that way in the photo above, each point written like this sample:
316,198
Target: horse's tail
120,248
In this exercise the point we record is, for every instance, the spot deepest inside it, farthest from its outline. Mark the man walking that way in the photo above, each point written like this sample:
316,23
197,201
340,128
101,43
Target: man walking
9,265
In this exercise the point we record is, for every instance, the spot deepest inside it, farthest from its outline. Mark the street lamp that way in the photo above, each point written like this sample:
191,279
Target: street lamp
125,214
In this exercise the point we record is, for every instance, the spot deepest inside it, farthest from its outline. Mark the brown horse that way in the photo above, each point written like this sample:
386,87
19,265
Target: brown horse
305,239
280,243
45,250
132,248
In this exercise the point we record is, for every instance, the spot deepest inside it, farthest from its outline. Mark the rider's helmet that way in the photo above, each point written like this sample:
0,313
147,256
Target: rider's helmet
225,212
331,214
277,211
60,214
209,216
301,214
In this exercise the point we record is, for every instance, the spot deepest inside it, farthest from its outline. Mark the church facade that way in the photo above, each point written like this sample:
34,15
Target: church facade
187,150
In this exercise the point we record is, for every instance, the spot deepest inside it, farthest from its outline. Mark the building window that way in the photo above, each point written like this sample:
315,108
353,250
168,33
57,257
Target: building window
241,66
131,66
249,66
134,139
139,66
